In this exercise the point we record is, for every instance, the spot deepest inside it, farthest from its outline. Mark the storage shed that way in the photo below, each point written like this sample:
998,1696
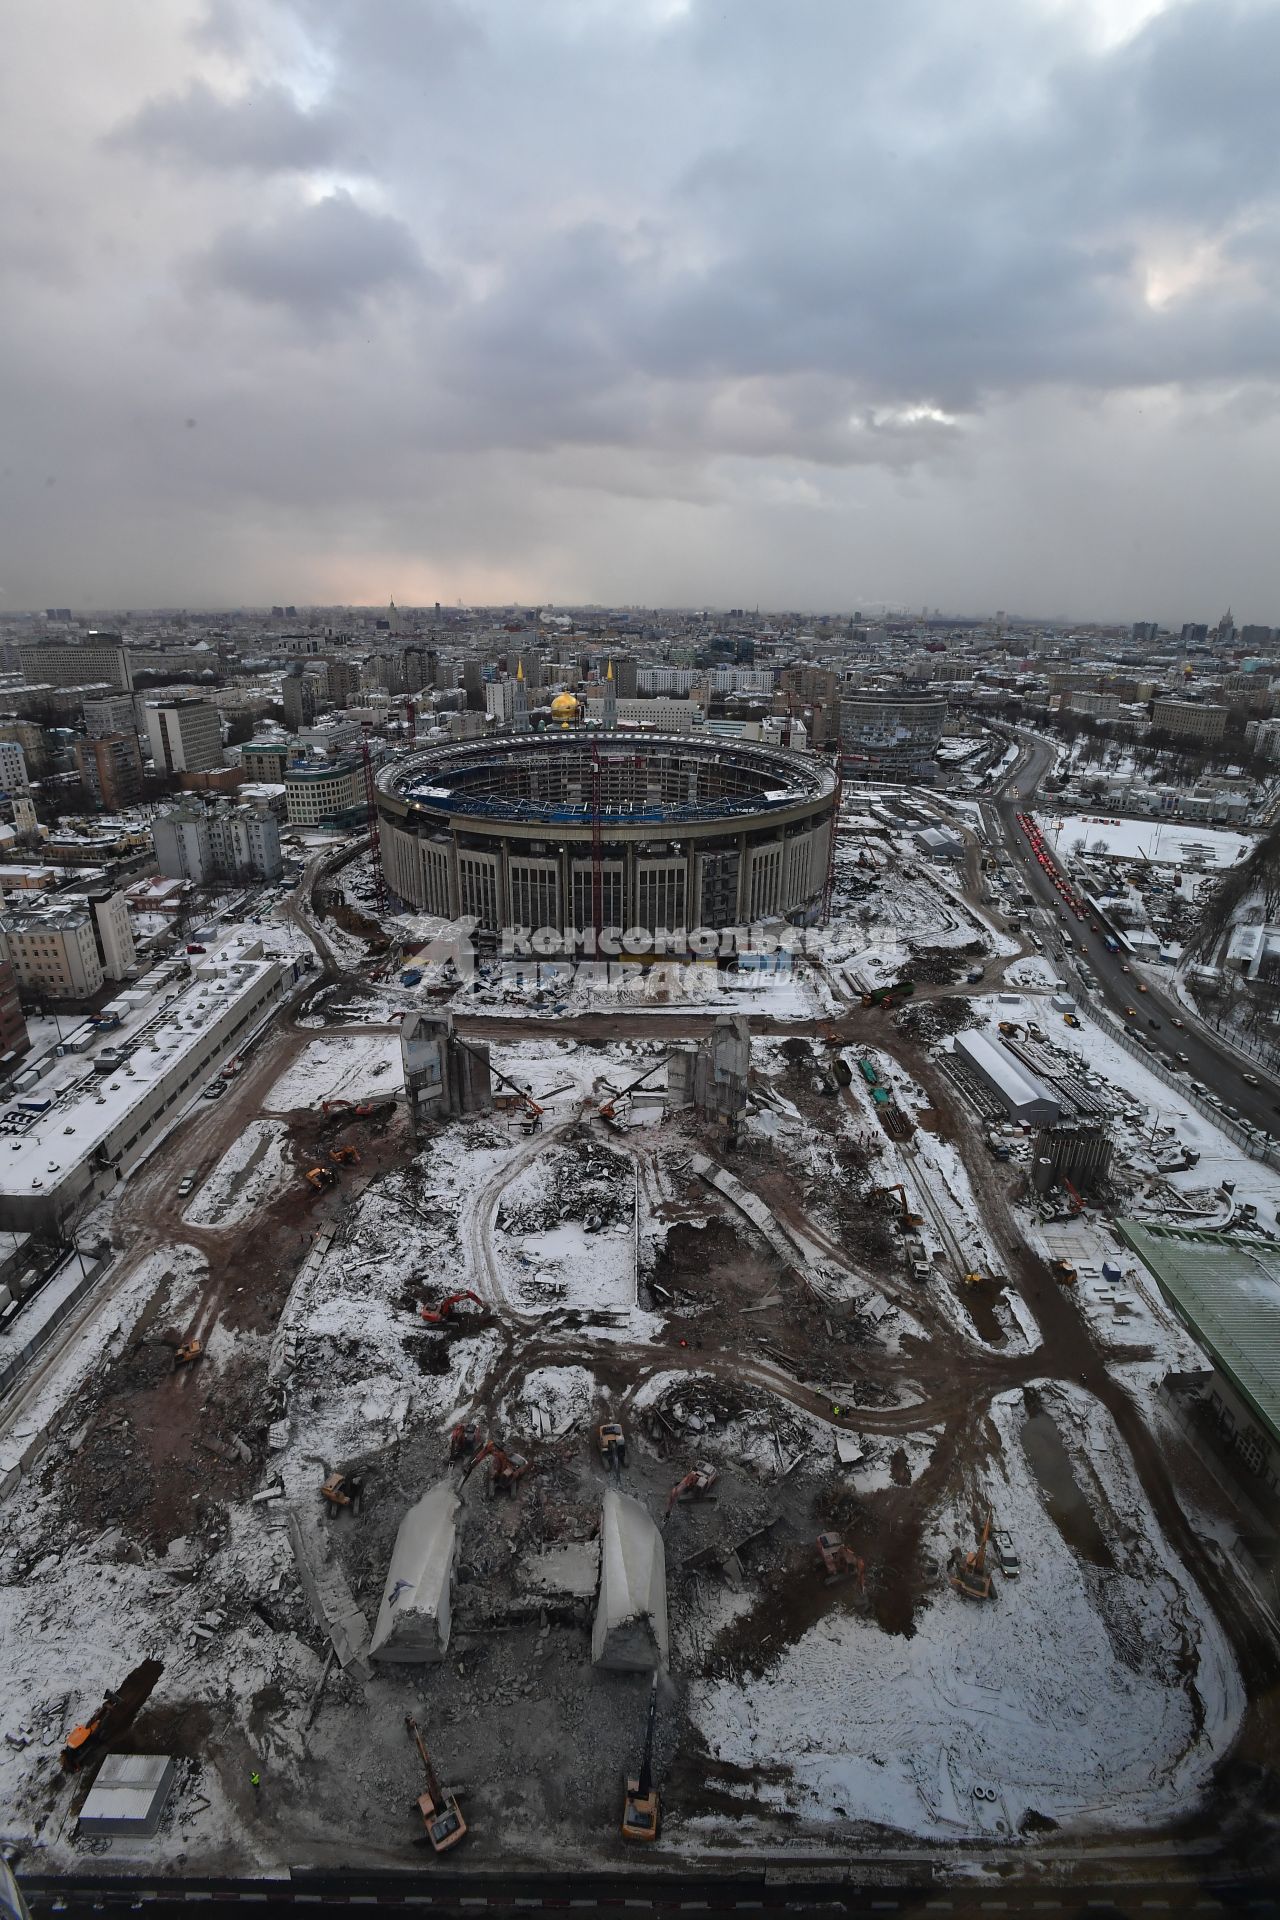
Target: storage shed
1023,1097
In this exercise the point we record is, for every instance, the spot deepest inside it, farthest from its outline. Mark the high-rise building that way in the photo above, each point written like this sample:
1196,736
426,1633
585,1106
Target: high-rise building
325,792
13,768
111,768
344,682
115,714
185,735
624,675
473,685
299,699
266,760
100,658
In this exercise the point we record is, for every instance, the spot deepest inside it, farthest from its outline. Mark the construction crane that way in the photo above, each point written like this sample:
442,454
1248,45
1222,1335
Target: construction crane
696,1485
612,1442
641,1802
435,1316
371,814
969,1576
441,1814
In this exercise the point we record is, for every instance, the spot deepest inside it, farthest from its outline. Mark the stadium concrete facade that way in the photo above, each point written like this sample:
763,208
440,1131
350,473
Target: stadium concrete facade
693,833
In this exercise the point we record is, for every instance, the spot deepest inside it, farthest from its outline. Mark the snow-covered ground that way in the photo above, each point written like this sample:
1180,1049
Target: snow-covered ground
363,1067
1162,841
248,1172
1064,1697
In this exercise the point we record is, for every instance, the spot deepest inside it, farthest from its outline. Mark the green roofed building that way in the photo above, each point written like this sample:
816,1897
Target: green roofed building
1225,1288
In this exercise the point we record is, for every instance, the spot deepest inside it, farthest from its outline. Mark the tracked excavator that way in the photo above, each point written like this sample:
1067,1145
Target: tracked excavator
435,1316
441,1814
642,1803
969,1576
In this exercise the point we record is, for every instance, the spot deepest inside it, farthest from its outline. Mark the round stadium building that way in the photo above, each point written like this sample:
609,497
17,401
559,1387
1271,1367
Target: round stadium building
692,833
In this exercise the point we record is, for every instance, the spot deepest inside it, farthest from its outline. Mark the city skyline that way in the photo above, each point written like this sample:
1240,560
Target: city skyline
649,304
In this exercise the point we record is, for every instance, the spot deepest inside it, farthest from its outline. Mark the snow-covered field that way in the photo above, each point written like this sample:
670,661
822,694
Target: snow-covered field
1063,1697
248,1172
366,1066
1158,840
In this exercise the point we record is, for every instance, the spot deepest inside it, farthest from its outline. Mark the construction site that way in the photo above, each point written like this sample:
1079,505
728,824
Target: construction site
697,1431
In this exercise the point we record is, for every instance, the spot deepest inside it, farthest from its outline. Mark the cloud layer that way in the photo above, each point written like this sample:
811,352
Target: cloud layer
815,305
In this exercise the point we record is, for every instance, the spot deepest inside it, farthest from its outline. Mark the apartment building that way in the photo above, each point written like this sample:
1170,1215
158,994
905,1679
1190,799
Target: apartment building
1188,720
185,735
115,714
14,1038
111,768
13,767
52,951
224,842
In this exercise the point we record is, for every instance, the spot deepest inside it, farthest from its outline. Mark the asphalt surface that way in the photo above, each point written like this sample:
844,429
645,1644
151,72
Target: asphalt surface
1207,1061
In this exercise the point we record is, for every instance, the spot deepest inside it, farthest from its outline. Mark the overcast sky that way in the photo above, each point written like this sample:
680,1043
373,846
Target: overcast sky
804,303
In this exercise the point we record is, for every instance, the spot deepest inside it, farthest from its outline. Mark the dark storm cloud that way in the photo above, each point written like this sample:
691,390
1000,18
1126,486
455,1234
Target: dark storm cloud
318,260
539,287
263,130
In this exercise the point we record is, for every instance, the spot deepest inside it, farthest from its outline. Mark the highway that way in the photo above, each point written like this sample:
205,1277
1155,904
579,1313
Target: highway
1213,1065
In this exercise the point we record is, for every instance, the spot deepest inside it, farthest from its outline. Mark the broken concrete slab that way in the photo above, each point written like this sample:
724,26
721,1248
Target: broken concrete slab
630,1631
571,1570
328,1595
413,1620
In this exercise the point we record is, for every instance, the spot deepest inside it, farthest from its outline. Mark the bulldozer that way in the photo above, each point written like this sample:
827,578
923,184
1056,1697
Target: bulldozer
969,1575
613,1448
320,1178
117,1712
441,1814
696,1485
641,1802
437,1315
840,1562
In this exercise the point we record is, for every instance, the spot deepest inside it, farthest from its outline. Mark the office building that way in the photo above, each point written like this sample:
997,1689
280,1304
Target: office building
114,714
99,659
891,736
325,793
300,698
13,768
185,735
266,760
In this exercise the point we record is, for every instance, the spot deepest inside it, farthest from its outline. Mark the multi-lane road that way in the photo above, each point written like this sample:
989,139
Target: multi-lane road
1214,1065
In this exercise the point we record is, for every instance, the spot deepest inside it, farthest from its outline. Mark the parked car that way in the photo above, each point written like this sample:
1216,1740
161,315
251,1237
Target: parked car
186,1185
1006,1559
215,1090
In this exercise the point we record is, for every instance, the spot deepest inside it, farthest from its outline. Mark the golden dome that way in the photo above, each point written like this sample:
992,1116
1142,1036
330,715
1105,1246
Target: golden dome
564,707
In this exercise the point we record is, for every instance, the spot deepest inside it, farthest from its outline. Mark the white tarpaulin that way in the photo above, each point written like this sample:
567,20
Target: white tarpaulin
413,1620
630,1629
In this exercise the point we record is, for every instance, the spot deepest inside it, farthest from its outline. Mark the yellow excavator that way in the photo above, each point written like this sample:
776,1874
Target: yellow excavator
969,1576
642,1803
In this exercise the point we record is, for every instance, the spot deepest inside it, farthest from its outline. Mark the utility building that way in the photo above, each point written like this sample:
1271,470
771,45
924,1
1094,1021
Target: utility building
1023,1097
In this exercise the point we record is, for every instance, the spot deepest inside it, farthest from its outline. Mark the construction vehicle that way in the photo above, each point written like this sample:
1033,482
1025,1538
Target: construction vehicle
345,1156
969,1576
973,1279
117,1712
612,1442
840,1562
437,1315
882,996
1063,1272
507,1470
609,1112
1009,1027
320,1178
187,1353
342,1490
532,1111
360,1112
1077,1204
441,1814
463,1440
696,1485
909,1219
642,1803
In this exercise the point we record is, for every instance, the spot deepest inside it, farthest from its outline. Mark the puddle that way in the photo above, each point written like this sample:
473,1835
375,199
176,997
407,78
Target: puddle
1059,1489
979,1303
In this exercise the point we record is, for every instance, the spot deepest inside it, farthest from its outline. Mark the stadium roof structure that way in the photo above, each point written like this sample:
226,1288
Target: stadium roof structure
1225,1288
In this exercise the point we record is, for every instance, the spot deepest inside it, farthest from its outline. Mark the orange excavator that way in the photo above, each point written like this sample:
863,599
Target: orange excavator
840,1562
187,1353
641,1802
117,1712
361,1112
437,1315
345,1156
320,1178
696,1485
463,1440
507,1470
613,1448
441,1814
969,1576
